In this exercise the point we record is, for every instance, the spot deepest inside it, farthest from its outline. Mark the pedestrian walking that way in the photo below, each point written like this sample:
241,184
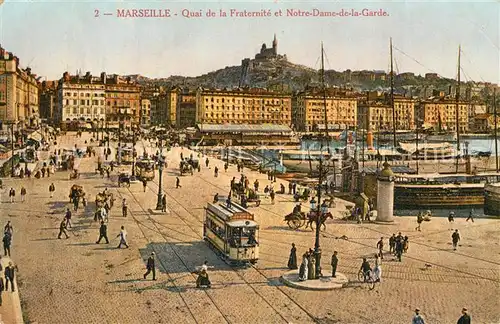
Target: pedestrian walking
455,238
272,195
380,247
225,167
8,229
124,207
23,194
76,202
123,238
177,183
2,287
207,162
62,229
7,240
103,233
144,184
292,260
471,214
12,194
67,217
451,217
150,266
420,219
334,263
164,203
52,188
417,318
392,243
377,269
465,318
10,273
216,172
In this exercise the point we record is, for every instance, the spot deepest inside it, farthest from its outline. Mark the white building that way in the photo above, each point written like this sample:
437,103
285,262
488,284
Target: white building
81,100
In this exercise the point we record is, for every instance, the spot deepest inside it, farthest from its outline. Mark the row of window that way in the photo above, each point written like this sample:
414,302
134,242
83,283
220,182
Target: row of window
243,116
255,121
252,108
84,102
249,101
85,94
81,111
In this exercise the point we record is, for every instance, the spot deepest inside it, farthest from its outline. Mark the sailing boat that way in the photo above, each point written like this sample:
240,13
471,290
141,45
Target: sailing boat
441,135
492,191
443,190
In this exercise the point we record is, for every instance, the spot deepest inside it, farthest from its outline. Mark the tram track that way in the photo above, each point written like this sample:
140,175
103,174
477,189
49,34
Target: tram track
162,263
330,235
259,272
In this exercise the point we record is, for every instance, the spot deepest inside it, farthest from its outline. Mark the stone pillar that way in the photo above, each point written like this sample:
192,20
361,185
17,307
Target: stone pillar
385,195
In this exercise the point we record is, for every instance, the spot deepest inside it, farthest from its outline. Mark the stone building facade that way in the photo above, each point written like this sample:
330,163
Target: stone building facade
19,98
309,110
243,106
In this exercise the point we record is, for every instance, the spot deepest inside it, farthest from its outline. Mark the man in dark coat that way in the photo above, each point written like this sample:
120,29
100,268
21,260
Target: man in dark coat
465,318
334,263
103,233
455,238
1,287
150,266
7,239
164,203
9,276
292,260
62,229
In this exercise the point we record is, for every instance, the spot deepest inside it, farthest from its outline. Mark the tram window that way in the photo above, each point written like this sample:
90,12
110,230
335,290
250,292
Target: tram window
219,231
242,236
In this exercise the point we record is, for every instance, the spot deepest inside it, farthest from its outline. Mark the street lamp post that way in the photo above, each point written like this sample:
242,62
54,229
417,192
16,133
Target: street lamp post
133,153
119,151
319,212
12,149
159,204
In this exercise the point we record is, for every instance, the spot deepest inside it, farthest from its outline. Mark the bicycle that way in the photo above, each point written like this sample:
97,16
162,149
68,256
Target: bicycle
369,280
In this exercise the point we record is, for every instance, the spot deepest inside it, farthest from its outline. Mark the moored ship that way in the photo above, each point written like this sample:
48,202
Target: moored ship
492,199
441,191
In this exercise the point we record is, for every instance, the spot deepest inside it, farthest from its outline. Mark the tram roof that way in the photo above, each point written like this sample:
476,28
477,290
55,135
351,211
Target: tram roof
236,212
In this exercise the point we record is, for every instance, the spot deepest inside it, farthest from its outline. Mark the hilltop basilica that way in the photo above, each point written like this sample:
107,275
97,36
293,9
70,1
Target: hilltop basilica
269,54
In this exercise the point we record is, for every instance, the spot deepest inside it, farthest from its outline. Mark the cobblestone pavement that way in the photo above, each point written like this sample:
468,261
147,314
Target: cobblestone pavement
77,281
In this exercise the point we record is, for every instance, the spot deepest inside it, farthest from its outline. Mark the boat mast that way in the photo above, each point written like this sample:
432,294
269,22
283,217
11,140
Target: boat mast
392,100
324,90
496,136
457,119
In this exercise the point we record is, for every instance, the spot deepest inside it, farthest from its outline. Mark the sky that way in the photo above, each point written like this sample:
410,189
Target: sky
52,37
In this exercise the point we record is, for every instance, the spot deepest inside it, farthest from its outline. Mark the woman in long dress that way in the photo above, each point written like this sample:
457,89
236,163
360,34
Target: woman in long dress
303,272
292,260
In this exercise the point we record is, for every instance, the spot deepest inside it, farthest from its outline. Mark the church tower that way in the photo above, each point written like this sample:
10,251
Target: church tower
275,45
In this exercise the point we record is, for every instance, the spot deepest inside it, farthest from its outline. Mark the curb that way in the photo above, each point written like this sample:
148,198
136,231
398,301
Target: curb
16,311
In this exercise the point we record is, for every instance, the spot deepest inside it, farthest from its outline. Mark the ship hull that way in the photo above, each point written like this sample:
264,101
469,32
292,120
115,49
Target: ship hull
437,197
492,200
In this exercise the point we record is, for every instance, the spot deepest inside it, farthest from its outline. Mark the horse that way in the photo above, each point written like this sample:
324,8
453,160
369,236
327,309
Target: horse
312,217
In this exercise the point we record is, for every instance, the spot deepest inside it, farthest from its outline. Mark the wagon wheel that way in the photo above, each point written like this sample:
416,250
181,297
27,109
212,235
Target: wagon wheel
294,223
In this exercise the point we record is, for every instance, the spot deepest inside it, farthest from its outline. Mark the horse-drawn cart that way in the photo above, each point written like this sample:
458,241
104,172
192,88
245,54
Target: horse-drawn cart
76,191
185,167
298,220
103,197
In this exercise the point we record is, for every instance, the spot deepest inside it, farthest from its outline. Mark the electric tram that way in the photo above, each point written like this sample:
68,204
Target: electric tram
126,154
231,232
144,169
